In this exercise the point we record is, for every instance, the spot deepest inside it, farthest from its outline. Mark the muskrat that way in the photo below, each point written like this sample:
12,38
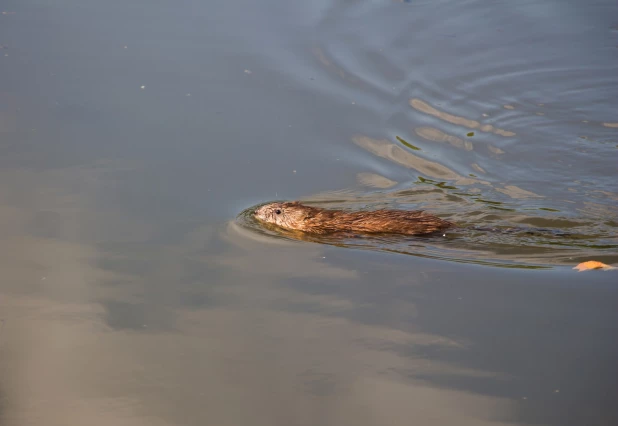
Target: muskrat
315,220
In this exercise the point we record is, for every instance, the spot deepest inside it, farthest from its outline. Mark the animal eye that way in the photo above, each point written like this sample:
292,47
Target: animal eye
278,211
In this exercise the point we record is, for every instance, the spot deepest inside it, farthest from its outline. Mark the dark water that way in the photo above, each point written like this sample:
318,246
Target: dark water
134,134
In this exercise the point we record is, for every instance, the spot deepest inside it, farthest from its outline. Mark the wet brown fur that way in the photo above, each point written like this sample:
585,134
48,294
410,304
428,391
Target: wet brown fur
293,215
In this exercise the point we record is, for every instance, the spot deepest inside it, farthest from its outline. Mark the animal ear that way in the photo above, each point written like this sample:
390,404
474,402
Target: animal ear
295,202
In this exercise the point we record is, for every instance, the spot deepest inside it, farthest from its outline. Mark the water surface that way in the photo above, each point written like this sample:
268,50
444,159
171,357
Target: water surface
132,135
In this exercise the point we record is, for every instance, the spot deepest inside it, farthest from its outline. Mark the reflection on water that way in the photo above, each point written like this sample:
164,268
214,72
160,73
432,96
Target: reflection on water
424,107
400,156
437,135
373,180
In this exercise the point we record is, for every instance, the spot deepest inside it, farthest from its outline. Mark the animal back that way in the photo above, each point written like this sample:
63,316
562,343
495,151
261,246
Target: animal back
378,221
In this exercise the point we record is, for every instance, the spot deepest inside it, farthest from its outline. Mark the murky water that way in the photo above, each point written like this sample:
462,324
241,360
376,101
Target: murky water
134,136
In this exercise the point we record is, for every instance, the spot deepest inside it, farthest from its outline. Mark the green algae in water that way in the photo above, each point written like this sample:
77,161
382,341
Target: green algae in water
408,144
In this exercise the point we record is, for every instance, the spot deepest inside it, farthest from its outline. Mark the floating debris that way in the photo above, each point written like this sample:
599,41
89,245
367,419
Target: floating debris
593,264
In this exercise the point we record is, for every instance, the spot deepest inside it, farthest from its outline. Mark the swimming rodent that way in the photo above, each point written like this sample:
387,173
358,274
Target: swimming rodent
315,220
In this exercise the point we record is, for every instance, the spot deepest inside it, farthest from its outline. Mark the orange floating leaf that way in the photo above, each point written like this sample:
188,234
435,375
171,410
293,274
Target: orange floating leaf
592,264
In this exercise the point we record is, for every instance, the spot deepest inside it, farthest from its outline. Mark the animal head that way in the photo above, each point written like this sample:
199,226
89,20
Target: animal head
286,215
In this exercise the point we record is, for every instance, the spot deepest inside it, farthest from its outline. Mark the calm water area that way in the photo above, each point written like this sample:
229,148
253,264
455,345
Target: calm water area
136,135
